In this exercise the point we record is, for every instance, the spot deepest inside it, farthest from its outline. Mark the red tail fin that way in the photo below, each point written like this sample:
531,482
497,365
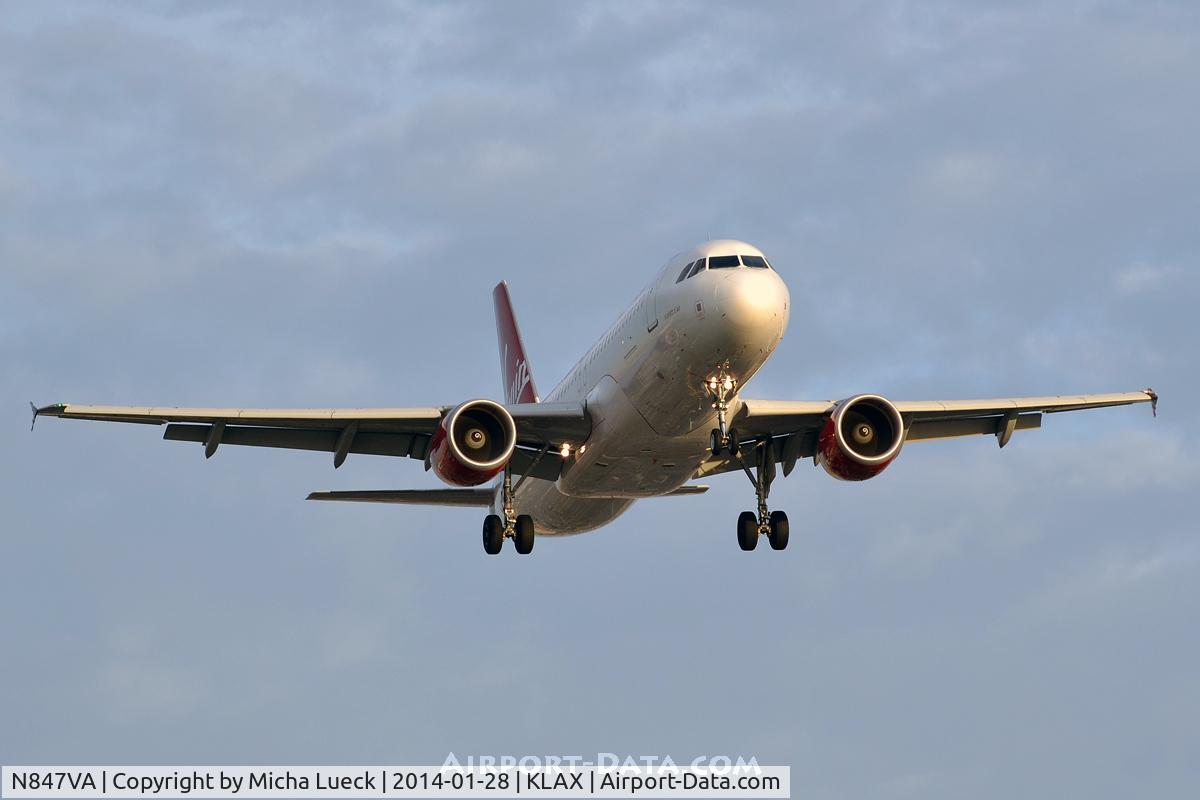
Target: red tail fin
514,366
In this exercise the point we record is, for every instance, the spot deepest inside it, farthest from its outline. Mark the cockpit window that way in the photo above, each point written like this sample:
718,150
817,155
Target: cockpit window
723,262
698,266
683,273
755,261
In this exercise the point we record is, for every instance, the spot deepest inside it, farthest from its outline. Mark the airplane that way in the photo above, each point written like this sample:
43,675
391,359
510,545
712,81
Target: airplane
653,405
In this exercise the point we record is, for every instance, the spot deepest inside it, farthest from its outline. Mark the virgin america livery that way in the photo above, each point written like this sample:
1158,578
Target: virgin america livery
653,405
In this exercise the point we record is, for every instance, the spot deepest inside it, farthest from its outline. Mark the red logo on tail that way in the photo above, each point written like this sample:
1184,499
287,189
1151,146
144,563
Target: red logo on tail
514,365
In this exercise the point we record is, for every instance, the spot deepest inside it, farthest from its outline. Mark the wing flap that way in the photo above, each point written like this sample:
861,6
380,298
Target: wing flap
967,426
367,443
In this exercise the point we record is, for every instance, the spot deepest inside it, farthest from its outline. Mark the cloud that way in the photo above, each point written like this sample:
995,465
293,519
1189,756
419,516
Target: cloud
1142,277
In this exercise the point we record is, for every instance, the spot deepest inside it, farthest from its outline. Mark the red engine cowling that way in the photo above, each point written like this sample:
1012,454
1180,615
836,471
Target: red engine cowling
473,443
862,436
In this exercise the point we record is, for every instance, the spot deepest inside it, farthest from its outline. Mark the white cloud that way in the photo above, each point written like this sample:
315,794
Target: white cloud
1145,277
965,176
1111,578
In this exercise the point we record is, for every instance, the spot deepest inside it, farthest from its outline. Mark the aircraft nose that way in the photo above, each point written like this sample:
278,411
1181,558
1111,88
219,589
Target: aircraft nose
754,301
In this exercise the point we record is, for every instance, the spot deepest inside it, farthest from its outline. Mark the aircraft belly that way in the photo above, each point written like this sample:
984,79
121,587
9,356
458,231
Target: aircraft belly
625,457
556,514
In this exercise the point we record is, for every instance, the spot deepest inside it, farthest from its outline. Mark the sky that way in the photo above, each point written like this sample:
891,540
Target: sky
307,204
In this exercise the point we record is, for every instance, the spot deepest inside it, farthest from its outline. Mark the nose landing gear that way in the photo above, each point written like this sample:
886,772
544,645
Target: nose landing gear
518,527
722,385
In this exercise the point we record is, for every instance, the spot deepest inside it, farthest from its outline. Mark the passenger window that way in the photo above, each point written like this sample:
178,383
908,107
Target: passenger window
723,262
755,261
699,266
683,273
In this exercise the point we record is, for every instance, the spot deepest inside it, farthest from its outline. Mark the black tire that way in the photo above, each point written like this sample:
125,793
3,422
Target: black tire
747,529
714,442
779,530
493,534
733,442
523,534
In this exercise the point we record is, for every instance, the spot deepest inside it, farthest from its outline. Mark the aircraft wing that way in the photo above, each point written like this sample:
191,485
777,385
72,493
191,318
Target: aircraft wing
792,426
376,431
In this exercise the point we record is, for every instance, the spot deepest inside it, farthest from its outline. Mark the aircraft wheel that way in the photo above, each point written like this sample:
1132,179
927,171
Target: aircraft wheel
714,442
523,535
779,530
747,529
493,534
733,442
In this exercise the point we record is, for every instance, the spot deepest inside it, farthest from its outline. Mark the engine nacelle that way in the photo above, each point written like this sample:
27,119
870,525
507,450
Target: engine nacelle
473,443
862,436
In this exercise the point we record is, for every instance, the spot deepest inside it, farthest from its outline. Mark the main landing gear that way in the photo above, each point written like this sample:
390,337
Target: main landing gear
518,527
723,439
772,524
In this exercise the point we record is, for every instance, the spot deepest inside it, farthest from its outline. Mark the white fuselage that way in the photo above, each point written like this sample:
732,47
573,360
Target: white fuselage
643,384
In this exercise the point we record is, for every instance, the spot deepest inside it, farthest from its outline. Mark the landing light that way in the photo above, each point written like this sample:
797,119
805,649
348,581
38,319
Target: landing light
566,450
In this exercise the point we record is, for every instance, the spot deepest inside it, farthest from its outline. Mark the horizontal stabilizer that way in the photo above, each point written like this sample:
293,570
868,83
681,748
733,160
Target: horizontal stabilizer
691,488
475,498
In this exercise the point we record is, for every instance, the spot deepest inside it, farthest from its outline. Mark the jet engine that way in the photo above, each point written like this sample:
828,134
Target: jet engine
862,436
473,443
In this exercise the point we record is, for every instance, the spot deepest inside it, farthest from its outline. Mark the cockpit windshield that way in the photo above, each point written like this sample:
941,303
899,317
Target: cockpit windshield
721,262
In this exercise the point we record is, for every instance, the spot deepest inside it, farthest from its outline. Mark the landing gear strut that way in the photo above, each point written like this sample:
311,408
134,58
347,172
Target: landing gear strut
772,524
722,385
510,525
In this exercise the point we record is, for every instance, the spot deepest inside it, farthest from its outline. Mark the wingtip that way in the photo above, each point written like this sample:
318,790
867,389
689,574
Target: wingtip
1153,395
54,409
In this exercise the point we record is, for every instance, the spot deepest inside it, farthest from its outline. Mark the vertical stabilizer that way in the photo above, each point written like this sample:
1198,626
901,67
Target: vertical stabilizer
514,365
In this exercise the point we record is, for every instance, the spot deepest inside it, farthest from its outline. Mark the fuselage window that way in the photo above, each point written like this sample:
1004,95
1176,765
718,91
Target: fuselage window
699,265
723,262
755,261
683,273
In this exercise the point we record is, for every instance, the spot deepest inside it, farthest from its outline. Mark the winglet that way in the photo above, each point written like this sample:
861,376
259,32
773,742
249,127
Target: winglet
1153,395
52,410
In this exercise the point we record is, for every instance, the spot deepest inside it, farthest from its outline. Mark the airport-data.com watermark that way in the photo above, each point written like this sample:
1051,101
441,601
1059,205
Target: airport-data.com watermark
716,764
602,775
